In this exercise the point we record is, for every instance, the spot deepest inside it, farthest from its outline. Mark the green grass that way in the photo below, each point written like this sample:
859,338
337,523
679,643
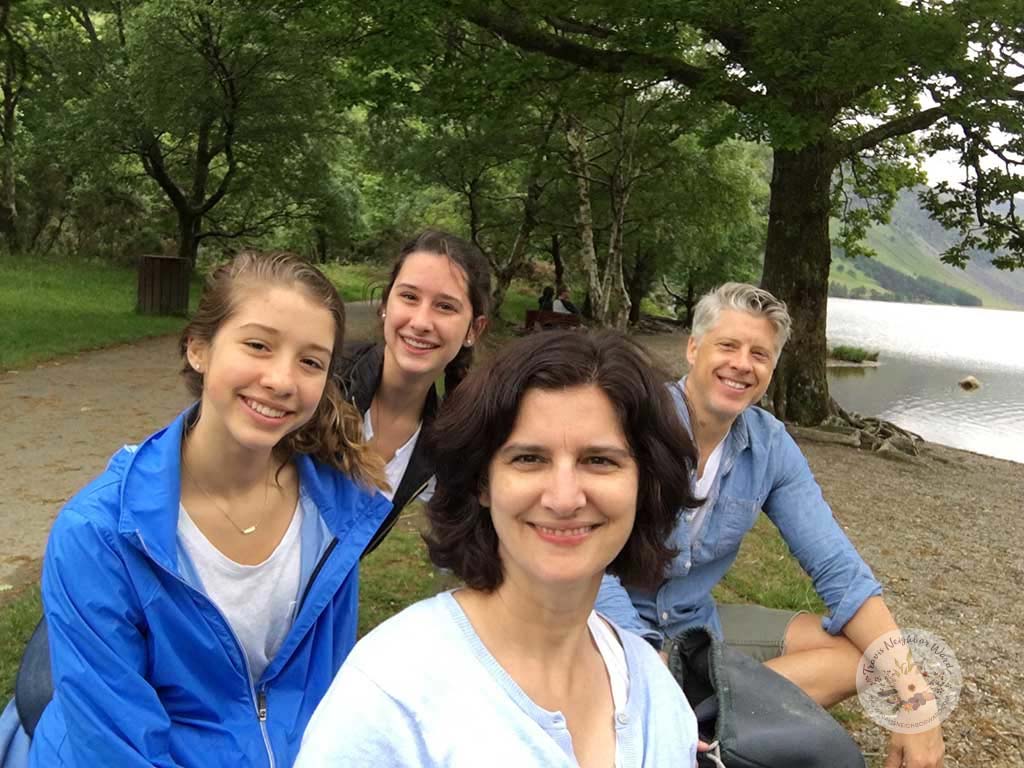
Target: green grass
852,354
19,614
851,278
357,282
397,574
55,308
59,308
765,573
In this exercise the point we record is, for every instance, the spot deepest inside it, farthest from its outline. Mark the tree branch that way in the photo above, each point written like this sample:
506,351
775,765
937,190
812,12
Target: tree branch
511,28
897,127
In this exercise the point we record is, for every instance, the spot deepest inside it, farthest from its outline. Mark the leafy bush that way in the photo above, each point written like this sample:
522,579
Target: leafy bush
853,354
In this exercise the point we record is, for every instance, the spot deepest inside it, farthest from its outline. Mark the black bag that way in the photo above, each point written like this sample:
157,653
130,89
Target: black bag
757,717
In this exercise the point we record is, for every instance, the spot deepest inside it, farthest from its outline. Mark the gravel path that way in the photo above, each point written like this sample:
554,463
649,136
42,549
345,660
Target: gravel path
944,536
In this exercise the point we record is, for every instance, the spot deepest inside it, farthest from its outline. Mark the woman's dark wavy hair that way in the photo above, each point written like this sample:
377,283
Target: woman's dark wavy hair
476,421
478,285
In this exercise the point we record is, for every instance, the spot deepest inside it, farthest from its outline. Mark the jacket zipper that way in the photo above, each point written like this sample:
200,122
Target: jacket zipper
316,572
259,700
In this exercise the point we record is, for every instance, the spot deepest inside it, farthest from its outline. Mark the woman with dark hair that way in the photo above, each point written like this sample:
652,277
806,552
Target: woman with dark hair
433,310
560,460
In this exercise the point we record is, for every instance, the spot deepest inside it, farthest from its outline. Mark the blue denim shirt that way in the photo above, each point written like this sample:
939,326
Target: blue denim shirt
761,468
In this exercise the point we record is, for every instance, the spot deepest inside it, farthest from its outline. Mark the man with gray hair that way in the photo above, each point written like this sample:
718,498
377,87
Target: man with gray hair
747,463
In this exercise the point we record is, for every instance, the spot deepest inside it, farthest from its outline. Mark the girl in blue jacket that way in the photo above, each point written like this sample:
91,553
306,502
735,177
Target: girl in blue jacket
201,593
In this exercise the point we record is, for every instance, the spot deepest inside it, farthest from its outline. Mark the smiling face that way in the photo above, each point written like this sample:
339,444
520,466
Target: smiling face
265,370
562,490
731,365
428,315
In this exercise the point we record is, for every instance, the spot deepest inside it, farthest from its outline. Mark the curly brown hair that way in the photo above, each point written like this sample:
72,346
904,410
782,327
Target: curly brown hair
334,434
477,419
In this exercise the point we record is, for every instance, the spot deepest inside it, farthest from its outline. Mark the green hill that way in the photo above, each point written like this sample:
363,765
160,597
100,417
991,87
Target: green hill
908,267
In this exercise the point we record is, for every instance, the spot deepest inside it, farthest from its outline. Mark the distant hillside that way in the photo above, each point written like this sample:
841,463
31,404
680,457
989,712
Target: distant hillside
908,267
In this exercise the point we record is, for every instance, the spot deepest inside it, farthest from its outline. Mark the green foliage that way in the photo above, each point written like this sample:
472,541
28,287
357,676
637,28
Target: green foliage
357,282
59,308
713,217
899,286
852,354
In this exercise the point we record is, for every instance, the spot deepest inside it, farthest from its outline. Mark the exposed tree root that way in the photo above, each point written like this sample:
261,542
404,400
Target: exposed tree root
873,433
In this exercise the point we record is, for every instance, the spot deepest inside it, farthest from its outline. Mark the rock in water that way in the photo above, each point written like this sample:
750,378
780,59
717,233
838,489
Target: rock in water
969,383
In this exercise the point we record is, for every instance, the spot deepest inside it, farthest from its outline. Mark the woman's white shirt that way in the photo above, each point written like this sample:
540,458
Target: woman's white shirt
422,691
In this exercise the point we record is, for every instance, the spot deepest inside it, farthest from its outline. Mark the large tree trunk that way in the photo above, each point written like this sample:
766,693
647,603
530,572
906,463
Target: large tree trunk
690,301
796,266
188,231
639,284
8,174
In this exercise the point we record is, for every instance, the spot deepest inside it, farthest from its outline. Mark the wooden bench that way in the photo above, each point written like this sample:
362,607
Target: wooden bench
543,319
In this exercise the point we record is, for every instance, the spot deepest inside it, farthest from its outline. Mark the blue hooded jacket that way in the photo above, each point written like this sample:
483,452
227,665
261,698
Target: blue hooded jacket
147,671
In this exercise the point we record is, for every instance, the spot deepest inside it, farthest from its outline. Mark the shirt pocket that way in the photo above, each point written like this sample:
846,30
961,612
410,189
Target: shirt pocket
737,517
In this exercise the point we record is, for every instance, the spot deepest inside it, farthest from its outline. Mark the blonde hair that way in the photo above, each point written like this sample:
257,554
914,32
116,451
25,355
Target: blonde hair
742,297
334,434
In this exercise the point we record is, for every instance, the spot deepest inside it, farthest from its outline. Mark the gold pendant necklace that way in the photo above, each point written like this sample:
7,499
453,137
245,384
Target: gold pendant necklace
244,531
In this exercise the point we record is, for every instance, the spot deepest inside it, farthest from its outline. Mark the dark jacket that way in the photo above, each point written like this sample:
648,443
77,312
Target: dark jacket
359,373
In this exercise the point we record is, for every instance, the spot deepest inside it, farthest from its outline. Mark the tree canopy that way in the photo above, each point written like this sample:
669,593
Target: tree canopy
652,149
864,87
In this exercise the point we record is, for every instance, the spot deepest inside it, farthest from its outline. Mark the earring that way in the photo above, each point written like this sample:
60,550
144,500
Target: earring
468,343
383,314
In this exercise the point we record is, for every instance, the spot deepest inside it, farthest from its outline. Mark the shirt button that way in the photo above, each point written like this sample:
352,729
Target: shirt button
622,717
687,564
664,616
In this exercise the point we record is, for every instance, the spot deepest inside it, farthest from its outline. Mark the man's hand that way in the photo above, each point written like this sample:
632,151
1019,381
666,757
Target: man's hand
916,750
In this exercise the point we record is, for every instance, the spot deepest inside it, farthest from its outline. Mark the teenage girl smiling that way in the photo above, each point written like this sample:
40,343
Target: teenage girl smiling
433,312
201,593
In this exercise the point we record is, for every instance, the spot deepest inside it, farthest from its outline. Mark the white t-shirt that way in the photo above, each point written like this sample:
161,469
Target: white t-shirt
257,600
395,469
701,489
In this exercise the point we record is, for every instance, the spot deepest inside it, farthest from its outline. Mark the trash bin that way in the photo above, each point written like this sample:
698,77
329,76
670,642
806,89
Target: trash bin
163,285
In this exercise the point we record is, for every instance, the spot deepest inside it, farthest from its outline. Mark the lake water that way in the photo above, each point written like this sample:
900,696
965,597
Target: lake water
925,350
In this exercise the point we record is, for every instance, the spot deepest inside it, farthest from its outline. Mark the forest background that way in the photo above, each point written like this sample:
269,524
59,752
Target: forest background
640,155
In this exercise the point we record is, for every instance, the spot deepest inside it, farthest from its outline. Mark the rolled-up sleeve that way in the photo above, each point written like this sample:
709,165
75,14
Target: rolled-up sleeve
795,504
